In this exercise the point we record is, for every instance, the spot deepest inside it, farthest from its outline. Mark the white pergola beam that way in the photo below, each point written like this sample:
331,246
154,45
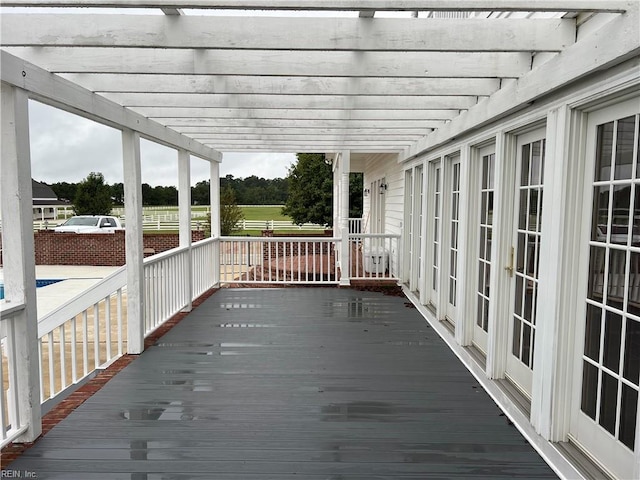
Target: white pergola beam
304,102
61,93
295,124
347,5
306,137
140,83
261,63
287,33
614,43
204,115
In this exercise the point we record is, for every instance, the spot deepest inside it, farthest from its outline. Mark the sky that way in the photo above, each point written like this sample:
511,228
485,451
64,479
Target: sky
66,148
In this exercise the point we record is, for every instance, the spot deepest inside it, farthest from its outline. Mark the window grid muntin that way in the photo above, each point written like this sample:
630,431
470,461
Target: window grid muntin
486,233
454,228
527,250
607,245
435,268
419,174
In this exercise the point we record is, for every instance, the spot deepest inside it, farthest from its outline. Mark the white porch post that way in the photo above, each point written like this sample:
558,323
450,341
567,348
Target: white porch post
336,195
184,215
18,253
214,194
214,201
500,253
344,169
466,298
133,236
554,352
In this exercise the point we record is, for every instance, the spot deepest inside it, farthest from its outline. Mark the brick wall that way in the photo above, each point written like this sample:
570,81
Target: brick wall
105,249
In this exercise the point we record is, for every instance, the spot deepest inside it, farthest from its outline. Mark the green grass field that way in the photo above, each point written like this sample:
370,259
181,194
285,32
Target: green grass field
268,212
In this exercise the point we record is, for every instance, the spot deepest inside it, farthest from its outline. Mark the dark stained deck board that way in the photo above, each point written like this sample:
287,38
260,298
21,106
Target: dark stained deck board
306,383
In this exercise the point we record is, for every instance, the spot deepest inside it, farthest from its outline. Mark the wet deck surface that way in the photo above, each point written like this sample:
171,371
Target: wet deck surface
289,383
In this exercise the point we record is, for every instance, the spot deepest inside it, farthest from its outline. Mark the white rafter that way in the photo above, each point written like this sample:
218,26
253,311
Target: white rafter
317,83
348,5
280,33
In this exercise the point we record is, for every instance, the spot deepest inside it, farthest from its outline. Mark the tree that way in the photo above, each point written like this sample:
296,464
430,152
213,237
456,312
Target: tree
310,190
230,212
93,196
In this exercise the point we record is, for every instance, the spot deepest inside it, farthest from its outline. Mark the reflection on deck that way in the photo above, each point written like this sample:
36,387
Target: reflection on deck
336,384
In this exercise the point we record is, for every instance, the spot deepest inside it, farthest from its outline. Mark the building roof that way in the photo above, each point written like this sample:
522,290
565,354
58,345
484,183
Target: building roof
42,191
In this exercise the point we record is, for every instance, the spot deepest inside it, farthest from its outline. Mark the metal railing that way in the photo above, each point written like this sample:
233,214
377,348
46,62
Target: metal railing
12,420
278,260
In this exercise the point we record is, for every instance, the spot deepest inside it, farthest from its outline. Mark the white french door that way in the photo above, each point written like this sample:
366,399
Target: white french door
451,249
607,371
483,252
413,228
525,258
434,237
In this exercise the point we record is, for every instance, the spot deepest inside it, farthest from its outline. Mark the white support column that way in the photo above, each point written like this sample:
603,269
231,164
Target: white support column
336,196
554,353
134,246
214,192
466,298
500,283
184,215
344,169
214,201
18,253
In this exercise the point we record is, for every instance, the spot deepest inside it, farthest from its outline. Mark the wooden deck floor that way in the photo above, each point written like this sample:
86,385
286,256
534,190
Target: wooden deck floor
277,384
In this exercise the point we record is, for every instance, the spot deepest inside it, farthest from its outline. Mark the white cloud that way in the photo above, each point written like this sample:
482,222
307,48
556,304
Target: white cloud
66,148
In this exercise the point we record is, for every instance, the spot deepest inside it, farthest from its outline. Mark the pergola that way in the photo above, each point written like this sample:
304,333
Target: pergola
294,81
206,77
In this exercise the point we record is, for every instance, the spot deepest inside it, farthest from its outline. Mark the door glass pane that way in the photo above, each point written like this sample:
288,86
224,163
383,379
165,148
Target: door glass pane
435,267
624,148
629,414
611,354
612,337
453,232
604,151
529,210
589,389
486,229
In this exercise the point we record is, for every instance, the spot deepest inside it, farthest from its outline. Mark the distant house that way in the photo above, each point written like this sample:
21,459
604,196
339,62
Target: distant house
45,202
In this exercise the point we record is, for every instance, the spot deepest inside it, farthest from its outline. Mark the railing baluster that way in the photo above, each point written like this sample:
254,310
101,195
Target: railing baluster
96,336
63,363
107,326
52,386
3,423
85,343
119,314
74,350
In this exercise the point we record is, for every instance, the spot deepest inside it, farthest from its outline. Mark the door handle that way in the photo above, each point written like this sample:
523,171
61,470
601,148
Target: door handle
509,268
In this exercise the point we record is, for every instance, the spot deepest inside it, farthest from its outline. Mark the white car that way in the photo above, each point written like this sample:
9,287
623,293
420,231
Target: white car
90,224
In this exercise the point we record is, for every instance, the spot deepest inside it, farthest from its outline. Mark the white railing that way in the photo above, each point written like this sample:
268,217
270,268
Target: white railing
374,256
166,285
83,335
278,260
203,270
12,421
355,225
